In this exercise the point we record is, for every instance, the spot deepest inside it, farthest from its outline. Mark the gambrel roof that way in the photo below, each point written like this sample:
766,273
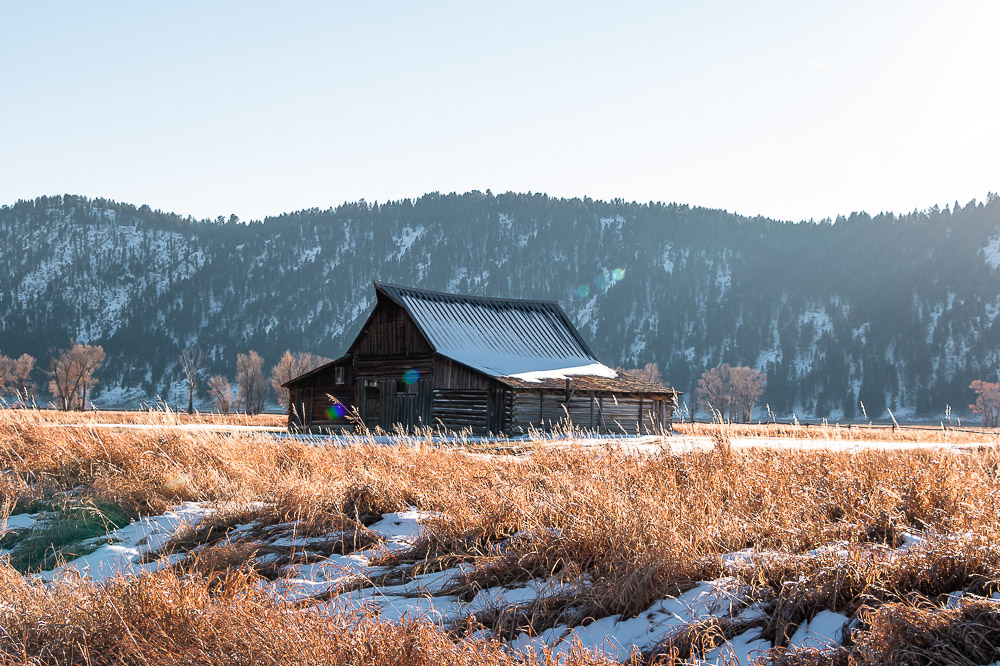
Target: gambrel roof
523,343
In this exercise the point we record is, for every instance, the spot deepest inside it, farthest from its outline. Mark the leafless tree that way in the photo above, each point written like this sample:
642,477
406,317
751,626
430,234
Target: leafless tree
6,366
747,385
71,375
713,390
987,402
221,393
19,379
290,367
250,381
191,364
731,392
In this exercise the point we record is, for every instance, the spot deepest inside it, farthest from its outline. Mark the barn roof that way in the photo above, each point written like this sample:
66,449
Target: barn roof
524,343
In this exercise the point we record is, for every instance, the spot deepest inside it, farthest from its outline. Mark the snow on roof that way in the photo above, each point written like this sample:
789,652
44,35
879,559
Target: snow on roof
528,340
592,370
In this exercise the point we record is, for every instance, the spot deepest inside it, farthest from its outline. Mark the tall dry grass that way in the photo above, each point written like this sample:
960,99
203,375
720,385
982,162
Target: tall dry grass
157,415
165,619
623,529
914,434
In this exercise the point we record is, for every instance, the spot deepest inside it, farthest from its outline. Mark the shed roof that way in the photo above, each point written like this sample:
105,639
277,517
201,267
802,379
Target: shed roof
525,343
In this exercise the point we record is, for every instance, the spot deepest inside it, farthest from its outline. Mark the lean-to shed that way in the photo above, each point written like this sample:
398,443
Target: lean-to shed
490,365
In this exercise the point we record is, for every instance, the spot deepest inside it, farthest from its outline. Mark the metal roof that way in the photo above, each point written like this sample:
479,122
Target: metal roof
499,336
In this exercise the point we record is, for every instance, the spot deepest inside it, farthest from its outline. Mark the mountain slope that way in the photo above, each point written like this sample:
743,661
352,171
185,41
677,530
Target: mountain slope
894,311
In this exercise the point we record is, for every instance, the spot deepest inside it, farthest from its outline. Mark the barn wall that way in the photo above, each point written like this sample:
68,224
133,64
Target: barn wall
451,375
323,412
483,411
309,403
600,412
389,331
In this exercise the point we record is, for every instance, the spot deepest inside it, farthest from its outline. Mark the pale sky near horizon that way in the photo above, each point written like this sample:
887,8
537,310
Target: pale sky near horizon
792,110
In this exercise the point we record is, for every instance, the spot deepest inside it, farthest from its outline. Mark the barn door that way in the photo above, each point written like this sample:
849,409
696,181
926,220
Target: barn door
373,405
495,411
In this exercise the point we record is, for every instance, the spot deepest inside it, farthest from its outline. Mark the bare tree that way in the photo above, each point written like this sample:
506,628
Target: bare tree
71,375
191,364
19,379
987,402
731,392
290,367
713,390
250,381
746,385
221,393
6,366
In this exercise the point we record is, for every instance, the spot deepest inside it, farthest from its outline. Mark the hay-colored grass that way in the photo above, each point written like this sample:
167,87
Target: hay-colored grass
636,526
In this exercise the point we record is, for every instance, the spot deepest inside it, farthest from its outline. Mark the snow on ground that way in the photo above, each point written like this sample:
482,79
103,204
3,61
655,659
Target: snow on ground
991,252
824,630
20,521
123,548
338,583
650,444
348,582
422,597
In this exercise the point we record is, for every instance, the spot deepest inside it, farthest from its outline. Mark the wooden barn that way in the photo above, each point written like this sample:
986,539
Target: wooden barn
488,365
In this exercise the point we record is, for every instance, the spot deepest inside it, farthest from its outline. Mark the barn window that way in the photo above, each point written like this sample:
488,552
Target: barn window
338,375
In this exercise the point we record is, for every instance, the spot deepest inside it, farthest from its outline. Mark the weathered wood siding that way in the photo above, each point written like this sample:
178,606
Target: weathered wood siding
600,412
451,375
389,331
388,403
309,403
324,413
461,408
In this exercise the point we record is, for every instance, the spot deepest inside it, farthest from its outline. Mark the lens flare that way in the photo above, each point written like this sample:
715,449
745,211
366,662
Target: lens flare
618,274
583,291
602,282
336,411
411,376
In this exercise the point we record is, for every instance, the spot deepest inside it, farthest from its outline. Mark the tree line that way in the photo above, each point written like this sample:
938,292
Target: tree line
248,390
71,378
730,393
70,374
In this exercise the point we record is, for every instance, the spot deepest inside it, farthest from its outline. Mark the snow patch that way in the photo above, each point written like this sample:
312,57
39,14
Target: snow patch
20,521
406,238
991,252
668,263
127,545
824,630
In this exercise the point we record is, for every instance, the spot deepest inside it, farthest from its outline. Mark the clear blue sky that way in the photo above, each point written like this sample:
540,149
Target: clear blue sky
787,109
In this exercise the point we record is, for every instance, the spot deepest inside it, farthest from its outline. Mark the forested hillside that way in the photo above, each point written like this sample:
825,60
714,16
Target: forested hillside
895,311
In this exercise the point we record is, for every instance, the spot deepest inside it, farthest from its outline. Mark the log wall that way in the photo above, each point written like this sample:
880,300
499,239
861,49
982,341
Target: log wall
600,412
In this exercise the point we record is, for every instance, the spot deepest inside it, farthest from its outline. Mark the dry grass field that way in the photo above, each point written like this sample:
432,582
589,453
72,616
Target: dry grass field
584,554
853,433
144,417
